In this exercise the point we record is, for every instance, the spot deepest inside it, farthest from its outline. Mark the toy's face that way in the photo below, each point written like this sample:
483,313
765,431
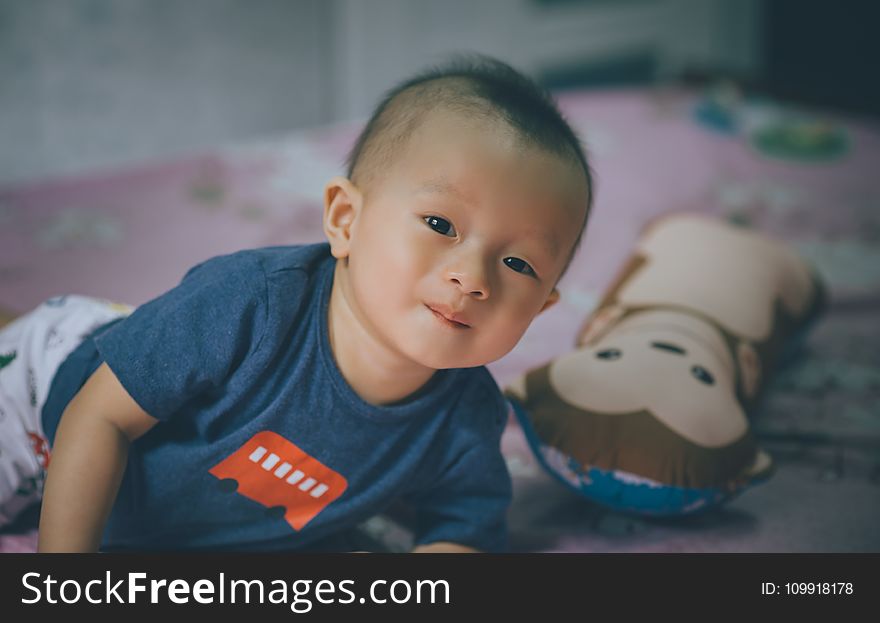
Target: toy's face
671,364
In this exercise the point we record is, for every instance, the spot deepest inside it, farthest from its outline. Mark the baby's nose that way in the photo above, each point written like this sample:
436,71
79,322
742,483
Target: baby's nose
470,275
469,270
471,286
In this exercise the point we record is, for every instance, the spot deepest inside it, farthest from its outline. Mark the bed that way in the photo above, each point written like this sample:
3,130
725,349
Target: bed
130,234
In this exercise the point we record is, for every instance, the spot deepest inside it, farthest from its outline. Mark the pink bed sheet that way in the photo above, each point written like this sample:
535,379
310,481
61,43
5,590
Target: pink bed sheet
129,235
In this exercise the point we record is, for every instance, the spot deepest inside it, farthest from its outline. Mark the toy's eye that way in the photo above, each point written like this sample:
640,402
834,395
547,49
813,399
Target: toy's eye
440,225
703,375
609,354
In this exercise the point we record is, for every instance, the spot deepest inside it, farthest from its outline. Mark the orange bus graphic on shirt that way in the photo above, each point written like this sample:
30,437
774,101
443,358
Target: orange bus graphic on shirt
273,471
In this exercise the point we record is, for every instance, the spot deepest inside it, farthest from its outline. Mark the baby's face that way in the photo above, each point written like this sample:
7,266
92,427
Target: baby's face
465,224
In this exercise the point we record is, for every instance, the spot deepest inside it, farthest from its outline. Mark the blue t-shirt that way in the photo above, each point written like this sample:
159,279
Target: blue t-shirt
262,444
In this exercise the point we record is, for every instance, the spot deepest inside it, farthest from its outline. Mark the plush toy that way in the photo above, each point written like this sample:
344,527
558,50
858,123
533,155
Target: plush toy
649,413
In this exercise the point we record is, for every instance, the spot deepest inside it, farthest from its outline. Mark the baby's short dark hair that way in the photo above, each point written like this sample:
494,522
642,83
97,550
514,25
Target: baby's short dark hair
480,87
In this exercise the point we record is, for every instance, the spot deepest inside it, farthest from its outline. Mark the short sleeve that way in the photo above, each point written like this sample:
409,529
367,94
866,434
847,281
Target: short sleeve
190,339
468,503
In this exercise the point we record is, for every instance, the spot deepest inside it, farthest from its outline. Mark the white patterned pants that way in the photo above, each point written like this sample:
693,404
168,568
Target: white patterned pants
32,348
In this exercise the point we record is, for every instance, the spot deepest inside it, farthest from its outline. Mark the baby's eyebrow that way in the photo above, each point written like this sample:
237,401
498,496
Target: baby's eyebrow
551,245
442,186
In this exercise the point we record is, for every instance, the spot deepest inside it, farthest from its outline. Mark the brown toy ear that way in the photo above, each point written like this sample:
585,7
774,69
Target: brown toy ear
761,468
609,311
749,368
598,324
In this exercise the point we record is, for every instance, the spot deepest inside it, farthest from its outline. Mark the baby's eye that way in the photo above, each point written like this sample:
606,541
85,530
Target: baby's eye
440,225
519,265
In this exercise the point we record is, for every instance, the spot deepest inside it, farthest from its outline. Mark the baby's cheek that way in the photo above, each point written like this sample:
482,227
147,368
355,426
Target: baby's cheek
506,334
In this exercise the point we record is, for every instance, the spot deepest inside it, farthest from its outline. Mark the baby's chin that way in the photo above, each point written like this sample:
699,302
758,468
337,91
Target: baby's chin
440,359
430,345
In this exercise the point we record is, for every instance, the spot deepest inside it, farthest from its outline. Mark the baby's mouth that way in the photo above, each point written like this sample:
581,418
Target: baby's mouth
447,321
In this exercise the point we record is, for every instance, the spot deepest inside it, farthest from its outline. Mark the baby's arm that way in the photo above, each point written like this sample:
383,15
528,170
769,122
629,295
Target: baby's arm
88,460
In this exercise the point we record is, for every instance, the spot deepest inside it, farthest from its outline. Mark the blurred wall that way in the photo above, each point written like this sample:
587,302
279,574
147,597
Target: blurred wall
823,54
91,84
379,42
87,84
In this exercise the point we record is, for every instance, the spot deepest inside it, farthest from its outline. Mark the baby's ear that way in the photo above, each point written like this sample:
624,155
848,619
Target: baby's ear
342,202
552,299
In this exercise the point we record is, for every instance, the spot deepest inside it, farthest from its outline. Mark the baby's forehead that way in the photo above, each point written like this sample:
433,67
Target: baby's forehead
452,157
448,154
546,199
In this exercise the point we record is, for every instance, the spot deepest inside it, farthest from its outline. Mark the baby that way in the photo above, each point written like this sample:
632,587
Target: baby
281,395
